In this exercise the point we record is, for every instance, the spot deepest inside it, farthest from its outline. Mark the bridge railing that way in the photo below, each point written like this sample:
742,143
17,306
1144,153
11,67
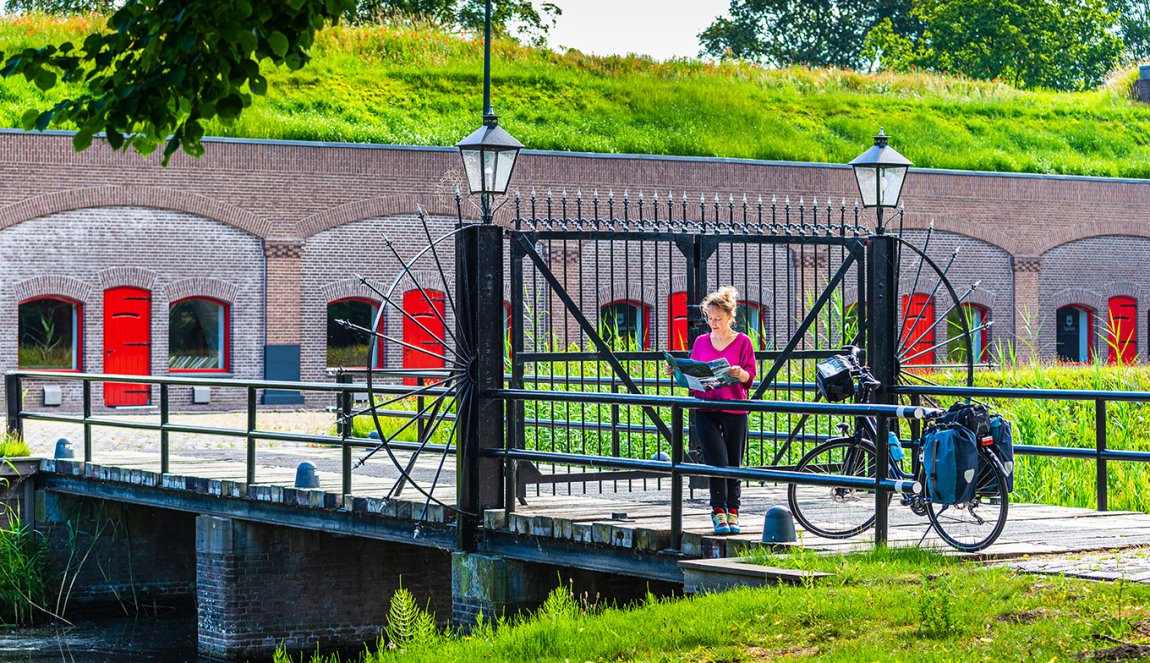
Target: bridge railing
344,394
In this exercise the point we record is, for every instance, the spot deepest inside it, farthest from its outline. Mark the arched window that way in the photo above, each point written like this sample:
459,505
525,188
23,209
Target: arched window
624,324
198,335
677,321
1121,339
917,336
753,322
976,316
347,347
1074,333
423,331
50,333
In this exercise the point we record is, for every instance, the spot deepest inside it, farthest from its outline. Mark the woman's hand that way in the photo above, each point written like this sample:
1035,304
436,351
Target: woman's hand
738,373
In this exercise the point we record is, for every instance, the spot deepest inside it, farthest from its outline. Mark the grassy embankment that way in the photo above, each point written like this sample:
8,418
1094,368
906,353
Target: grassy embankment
882,606
421,87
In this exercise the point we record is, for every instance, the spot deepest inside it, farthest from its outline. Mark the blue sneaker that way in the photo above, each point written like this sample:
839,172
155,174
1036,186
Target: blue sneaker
733,522
720,520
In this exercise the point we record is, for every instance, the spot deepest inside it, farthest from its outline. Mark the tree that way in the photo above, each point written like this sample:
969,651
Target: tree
1056,44
1133,26
816,33
165,67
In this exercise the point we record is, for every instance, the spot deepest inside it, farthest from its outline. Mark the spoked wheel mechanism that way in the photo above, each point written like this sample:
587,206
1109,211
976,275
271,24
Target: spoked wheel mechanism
412,409
928,304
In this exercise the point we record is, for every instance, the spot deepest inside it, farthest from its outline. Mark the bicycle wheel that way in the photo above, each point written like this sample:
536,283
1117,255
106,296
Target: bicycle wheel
835,513
974,525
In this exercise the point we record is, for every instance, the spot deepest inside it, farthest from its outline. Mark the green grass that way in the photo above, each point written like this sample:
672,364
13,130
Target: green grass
889,605
387,84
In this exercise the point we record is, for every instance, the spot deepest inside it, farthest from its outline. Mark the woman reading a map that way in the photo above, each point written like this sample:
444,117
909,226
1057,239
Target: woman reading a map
722,434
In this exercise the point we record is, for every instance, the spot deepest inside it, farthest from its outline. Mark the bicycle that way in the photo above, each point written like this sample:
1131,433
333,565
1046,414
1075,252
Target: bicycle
845,512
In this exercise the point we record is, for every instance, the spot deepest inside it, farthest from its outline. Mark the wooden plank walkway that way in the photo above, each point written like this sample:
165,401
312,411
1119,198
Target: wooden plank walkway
639,518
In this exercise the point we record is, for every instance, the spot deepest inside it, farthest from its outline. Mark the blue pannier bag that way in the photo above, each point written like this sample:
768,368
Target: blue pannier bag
1003,448
950,457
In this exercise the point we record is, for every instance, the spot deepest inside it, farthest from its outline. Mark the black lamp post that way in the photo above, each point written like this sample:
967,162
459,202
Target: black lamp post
489,152
880,172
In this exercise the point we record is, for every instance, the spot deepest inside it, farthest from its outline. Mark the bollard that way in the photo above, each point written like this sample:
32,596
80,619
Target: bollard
64,449
662,456
305,476
779,526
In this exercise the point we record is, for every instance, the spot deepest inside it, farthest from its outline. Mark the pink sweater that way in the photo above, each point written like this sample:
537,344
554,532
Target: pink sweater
740,352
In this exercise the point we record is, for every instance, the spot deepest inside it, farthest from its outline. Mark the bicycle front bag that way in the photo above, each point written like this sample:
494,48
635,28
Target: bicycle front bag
950,460
1002,431
833,379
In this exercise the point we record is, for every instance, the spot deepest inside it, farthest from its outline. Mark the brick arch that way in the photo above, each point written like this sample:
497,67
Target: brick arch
201,287
135,196
137,277
369,208
1098,227
347,288
1079,296
1121,289
44,286
991,233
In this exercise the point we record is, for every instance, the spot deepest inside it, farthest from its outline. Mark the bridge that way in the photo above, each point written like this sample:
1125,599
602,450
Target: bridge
552,452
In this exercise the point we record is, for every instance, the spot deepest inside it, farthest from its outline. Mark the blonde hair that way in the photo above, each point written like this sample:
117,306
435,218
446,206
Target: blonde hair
726,298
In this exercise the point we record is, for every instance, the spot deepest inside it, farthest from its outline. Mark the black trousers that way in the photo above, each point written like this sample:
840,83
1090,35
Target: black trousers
722,437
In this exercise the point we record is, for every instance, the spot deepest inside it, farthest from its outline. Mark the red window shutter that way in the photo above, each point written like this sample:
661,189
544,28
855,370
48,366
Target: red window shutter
1120,336
419,304
677,333
917,328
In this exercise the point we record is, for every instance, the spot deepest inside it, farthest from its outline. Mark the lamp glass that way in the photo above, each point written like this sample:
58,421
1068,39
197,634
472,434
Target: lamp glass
890,185
473,167
879,186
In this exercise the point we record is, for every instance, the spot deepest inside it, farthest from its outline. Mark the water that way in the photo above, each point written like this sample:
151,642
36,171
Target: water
168,637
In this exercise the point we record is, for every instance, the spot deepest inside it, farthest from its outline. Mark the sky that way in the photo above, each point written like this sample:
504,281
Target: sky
658,28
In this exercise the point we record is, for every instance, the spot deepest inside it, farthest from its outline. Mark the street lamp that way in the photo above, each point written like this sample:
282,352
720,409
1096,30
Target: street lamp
880,172
489,152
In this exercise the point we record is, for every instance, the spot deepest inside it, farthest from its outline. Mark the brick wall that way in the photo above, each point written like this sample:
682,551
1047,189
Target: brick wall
310,209
260,587
173,255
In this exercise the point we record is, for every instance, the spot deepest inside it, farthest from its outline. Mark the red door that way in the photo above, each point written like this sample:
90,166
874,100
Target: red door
127,344
1120,335
917,329
678,330
431,348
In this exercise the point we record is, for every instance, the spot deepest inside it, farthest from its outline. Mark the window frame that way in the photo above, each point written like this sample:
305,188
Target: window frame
644,309
380,350
77,332
983,356
227,331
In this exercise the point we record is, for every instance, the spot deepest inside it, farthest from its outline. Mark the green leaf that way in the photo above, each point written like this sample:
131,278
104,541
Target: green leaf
28,119
43,120
45,80
115,139
278,43
82,140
